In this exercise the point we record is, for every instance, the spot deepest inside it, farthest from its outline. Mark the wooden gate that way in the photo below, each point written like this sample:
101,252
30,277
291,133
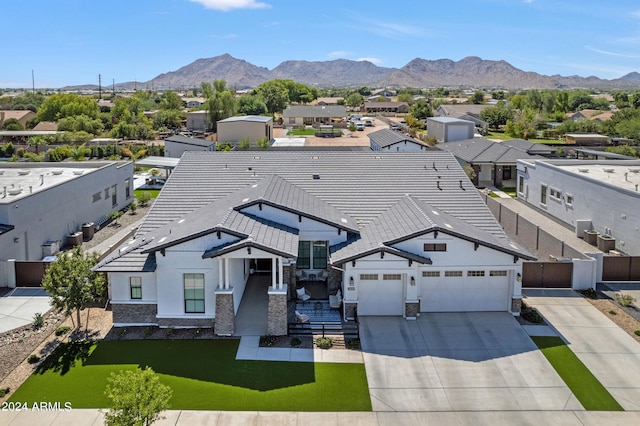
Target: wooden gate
547,274
621,268
30,274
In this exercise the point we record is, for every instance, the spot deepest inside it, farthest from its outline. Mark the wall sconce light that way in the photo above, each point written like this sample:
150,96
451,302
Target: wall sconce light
519,277
413,282
351,281
16,240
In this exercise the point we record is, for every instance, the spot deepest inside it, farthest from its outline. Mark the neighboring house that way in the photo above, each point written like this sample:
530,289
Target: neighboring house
531,148
197,120
21,115
329,101
251,127
592,139
589,114
599,195
194,102
49,126
176,145
447,129
381,107
494,163
397,234
467,112
301,115
391,141
42,203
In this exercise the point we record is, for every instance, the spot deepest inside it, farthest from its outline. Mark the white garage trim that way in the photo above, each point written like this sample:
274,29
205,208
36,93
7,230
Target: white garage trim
381,294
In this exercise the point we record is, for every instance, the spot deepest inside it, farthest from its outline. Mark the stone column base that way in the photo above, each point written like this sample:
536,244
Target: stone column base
516,306
350,310
277,317
225,317
411,309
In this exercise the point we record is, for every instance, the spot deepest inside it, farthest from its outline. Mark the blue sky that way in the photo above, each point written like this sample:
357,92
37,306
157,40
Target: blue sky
68,42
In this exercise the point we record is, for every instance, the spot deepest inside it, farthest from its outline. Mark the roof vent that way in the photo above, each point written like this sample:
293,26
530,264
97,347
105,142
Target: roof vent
316,177
608,170
23,172
583,170
56,172
634,170
78,172
315,157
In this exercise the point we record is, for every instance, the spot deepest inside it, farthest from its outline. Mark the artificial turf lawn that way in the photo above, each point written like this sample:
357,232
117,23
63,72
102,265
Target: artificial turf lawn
203,375
589,391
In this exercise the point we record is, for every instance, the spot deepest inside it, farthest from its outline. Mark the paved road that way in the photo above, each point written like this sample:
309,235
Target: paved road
458,361
609,352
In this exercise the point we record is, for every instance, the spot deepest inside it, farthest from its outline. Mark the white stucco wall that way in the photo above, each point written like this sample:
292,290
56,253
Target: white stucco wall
119,287
404,146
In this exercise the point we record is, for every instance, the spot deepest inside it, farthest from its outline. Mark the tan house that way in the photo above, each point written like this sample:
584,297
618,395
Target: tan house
586,139
252,127
394,107
21,115
313,114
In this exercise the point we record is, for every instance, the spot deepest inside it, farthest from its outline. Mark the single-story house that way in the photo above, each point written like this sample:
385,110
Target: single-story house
593,139
493,162
467,112
194,102
393,107
198,120
329,101
251,127
447,129
302,115
21,115
391,141
176,145
397,234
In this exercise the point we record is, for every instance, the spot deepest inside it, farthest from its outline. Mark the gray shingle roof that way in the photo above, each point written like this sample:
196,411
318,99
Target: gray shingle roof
356,186
325,111
189,141
252,118
484,151
386,137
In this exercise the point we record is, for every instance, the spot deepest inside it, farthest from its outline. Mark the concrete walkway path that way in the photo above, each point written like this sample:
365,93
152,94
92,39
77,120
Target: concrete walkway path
20,305
605,349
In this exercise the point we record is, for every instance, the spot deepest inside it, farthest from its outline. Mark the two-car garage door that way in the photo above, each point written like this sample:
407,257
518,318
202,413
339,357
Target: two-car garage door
460,292
380,294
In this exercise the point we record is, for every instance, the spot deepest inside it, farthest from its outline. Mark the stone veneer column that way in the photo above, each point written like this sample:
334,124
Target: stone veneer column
411,309
224,324
334,282
350,310
516,306
277,316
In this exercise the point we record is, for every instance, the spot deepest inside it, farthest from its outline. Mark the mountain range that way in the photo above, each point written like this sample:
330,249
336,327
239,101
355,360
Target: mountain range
419,73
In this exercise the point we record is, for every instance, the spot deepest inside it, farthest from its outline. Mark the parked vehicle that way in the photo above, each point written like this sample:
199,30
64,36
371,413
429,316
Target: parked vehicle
359,125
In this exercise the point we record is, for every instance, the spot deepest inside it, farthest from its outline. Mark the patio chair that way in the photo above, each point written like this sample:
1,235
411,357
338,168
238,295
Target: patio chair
302,318
301,275
335,300
303,294
322,275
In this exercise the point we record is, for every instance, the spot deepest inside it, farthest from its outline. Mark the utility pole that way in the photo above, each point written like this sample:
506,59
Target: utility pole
99,86
113,86
33,82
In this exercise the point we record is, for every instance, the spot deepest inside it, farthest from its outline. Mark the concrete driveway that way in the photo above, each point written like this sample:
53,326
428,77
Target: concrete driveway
605,349
18,307
458,361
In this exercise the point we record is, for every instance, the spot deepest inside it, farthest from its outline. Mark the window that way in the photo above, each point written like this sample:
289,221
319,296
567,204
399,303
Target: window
475,273
507,172
135,287
114,200
451,274
521,184
432,274
193,293
106,193
96,197
368,277
127,188
304,255
319,255
569,199
497,273
435,247
543,194
555,193
392,277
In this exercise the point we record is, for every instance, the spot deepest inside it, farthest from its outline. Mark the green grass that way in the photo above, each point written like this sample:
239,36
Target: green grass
203,375
154,192
504,137
309,132
589,391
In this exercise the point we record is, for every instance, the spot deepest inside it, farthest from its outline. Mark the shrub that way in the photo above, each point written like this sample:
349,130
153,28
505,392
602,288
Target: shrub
169,332
143,198
589,293
324,342
533,316
352,344
4,391
295,342
62,330
637,332
133,206
267,341
612,312
33,358
38,320
624,299
122,332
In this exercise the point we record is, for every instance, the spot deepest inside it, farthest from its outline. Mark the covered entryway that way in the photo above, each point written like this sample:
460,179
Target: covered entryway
380,294
251,318
464,294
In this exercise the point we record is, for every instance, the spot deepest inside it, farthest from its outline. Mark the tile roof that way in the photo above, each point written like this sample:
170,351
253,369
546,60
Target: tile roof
359,187
189,141
386,137
483,151
251,118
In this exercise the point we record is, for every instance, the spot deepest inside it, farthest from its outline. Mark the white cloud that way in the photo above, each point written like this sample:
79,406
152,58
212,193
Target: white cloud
527,1
609,53
373,60
230,36
227,5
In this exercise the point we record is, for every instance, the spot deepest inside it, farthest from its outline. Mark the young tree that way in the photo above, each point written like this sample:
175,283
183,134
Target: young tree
353,100
72,284
220,103
137,398
421,109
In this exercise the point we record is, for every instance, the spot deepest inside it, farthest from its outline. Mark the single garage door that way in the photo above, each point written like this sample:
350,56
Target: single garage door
380,294
459,292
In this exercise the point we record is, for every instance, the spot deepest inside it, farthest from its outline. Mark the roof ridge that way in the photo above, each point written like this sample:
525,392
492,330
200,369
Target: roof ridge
424,214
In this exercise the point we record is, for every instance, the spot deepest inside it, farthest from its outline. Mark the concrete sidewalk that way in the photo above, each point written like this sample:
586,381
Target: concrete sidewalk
82,417
20,305
605,349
